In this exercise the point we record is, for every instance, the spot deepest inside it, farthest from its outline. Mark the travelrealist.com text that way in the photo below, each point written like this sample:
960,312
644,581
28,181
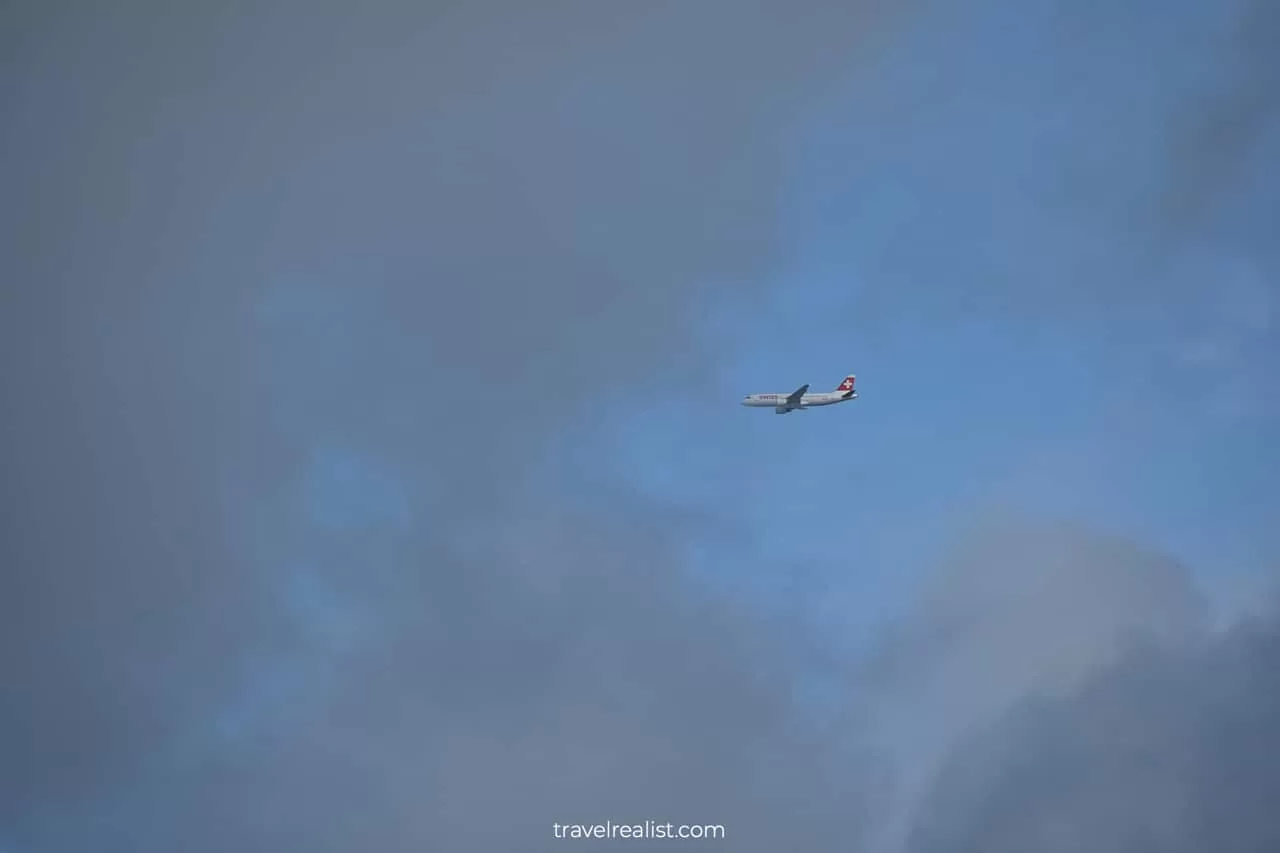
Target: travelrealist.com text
648,829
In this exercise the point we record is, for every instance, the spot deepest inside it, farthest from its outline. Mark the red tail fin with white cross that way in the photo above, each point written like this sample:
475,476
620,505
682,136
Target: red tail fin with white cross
846,387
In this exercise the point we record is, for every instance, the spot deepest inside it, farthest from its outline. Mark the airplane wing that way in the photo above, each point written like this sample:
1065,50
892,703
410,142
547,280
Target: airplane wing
793,399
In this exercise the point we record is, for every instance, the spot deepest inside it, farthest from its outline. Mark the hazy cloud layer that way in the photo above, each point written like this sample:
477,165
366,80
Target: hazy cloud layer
280,570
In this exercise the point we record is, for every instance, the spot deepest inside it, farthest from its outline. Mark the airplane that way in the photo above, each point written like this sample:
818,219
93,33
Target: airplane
800,399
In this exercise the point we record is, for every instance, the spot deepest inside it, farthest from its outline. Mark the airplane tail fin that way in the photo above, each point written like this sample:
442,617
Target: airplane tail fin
846,387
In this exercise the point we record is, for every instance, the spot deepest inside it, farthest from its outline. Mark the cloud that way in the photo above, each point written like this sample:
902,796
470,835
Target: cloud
282,569
1214,145
1018,608
1169,749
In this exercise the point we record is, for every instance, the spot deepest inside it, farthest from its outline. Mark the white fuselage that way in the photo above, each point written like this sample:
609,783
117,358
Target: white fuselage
808,401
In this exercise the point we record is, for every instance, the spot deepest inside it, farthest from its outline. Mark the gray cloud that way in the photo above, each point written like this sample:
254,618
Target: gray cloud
1215,147
1018,609
279,570
1165,750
